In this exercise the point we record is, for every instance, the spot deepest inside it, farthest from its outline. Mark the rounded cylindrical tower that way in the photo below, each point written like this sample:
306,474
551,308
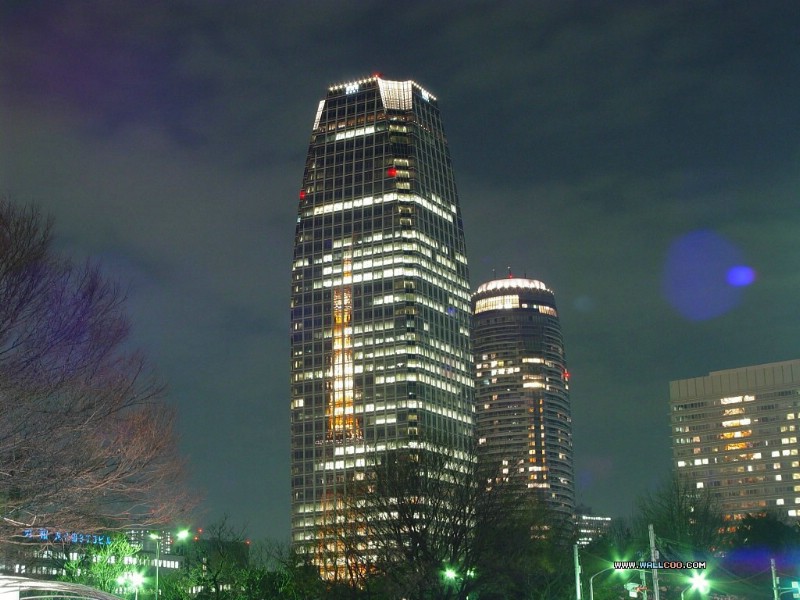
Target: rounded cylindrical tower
523,419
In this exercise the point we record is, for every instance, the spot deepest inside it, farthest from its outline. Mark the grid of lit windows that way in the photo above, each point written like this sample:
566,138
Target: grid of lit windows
734,433
523,417
380,350
590,528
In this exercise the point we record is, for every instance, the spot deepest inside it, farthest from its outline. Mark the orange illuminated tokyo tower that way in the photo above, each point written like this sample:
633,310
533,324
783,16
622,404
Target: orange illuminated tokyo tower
342,424
380,308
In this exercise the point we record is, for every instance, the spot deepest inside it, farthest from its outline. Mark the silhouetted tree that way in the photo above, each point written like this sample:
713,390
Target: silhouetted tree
288,574
437,530
86,438
757,539
218,562
688,525
766,531
687,521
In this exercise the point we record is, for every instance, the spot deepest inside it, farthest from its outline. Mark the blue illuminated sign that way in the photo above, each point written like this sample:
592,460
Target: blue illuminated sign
64,537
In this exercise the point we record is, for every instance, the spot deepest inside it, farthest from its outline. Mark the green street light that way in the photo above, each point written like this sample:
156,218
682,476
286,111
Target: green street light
134,580
450,574
137,579
180,536
591,581
699,583
157,538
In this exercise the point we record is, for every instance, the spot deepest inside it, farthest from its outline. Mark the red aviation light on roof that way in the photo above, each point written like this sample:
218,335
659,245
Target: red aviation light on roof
391,172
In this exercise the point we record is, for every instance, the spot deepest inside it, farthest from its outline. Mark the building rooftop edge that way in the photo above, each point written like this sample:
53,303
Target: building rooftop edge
734,369
522,283
378,77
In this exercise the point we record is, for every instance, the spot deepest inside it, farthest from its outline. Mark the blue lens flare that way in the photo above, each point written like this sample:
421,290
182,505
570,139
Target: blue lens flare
741,275
704,275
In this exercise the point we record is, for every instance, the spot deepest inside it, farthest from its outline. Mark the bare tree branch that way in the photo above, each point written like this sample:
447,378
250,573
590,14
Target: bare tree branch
688,521
86,437
428,526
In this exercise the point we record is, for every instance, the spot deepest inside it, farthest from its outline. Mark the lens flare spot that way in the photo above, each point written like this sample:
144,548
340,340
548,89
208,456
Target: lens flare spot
741,275
583,304
703,275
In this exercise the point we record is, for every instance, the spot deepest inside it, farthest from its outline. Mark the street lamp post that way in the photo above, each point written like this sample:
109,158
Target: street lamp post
136,581
133,580
157,538
591,581
181,535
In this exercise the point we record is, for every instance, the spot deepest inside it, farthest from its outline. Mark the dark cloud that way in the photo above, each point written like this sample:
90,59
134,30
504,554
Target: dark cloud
168,140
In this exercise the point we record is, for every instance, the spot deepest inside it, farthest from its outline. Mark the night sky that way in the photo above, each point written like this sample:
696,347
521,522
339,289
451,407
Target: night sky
641,158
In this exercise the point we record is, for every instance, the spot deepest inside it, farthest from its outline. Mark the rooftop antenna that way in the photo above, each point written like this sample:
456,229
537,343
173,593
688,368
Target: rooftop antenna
510,276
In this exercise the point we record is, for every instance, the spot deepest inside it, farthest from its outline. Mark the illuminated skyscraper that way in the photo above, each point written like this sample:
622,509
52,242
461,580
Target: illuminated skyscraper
522,410
380,350
734,433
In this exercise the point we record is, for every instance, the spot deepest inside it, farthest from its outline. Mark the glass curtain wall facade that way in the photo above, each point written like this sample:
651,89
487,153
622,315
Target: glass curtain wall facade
523,418
380,312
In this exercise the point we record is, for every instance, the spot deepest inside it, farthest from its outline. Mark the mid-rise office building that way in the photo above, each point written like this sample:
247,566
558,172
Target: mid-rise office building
589,528
734,432
380,352
522,408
